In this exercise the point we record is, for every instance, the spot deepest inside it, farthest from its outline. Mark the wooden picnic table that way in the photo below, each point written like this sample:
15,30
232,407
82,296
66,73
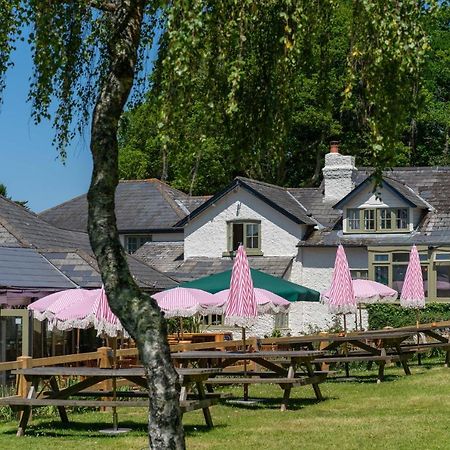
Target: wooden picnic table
378,347
89,377
281,368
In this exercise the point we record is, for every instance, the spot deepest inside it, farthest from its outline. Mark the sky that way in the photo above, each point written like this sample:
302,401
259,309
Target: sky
29,167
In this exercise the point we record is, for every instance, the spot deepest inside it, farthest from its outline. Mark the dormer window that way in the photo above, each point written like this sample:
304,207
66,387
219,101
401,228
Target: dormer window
383,220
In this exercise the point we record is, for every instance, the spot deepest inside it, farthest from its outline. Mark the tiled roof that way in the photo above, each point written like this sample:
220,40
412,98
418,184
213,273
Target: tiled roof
164,256
140,205
26,268
29,230
67,252
279,198
193,268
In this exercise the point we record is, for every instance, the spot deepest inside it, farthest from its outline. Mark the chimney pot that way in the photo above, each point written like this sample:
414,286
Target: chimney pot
334,147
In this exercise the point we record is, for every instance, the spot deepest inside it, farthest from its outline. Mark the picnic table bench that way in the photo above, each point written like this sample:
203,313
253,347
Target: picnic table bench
91,376
281,366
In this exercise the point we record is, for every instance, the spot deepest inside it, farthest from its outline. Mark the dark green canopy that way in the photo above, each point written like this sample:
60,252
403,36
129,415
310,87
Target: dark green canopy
290,291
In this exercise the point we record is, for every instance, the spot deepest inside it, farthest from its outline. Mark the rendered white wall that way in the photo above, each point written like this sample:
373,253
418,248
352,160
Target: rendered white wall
206,234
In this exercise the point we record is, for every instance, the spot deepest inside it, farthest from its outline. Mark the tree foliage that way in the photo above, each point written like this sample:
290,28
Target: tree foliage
228,62
265,95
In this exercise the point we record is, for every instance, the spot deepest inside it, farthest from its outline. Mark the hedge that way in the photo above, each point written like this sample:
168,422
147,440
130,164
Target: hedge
392,315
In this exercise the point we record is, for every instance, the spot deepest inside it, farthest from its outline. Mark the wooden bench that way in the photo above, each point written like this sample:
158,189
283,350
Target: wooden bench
282,381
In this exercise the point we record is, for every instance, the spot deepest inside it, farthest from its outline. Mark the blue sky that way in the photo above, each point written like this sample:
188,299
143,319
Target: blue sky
29,165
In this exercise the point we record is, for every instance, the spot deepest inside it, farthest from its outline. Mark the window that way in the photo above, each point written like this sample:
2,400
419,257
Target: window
212,319
443,281
247,233
369,219
133,242
380,219
353,221
281,321
390,269
359,274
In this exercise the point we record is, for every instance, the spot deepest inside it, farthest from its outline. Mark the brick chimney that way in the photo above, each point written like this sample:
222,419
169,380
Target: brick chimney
338,174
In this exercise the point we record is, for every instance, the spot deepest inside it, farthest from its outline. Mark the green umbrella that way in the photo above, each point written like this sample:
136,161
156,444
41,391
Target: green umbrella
290,291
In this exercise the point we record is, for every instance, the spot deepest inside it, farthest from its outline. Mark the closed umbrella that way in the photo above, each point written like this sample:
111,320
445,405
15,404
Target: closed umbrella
241,309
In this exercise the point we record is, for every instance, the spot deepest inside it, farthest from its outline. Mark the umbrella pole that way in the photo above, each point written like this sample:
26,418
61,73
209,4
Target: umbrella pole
114,384
347,373
419,356
360,317
245,366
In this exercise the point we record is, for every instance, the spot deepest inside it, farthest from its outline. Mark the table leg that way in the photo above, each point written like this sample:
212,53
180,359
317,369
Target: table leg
25,414
381,365
206,411
61,409
315,386
403,360
286,395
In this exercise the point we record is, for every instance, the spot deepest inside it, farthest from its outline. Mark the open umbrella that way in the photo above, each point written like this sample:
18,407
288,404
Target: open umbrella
367,292
82,308
266,302
187,302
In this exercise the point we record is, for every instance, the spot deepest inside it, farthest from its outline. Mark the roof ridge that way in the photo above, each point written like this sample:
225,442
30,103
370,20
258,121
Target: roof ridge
244,179
60,204
171,201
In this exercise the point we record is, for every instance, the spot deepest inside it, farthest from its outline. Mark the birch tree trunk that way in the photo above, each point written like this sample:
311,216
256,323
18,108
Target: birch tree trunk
138,313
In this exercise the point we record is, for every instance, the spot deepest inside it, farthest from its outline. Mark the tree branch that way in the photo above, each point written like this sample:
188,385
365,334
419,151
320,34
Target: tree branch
103,5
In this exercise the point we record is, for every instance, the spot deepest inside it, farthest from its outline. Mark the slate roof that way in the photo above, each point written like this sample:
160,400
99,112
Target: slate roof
26,268
164,256
193,268
31,242
29,230
141,205
426,187
279,198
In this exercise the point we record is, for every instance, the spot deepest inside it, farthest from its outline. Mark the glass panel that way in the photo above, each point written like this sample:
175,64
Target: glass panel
424,257
400,257
252,235
238,235
382,274
425,279
369,219
353,222
398,276
381,258
402,218
385,219
281,321
359,274
10,344
132,244
442,257
443,281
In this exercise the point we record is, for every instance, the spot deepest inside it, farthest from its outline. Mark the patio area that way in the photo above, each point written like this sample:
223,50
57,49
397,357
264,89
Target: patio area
353,412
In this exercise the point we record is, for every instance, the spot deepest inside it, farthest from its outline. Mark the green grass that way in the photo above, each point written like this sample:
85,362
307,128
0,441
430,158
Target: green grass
401,413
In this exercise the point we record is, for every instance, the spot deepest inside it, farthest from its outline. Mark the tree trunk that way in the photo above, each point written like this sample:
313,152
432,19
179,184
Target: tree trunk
138,313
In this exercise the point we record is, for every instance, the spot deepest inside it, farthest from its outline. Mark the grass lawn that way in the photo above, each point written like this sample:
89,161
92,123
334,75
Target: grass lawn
401,413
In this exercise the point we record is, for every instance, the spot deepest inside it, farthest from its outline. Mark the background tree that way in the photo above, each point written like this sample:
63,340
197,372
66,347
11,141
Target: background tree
202,139
88,53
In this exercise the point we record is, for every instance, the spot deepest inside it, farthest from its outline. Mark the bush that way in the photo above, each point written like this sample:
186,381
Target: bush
387,315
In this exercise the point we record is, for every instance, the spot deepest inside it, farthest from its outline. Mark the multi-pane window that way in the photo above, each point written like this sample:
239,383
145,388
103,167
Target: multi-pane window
353,219
281,321
133,242
390,269
377,219
246,233
369,219
359,274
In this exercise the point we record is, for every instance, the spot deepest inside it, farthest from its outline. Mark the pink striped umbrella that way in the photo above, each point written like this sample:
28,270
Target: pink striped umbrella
341,297
368,291
267,302
187,302
413,295
78,308
241,309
